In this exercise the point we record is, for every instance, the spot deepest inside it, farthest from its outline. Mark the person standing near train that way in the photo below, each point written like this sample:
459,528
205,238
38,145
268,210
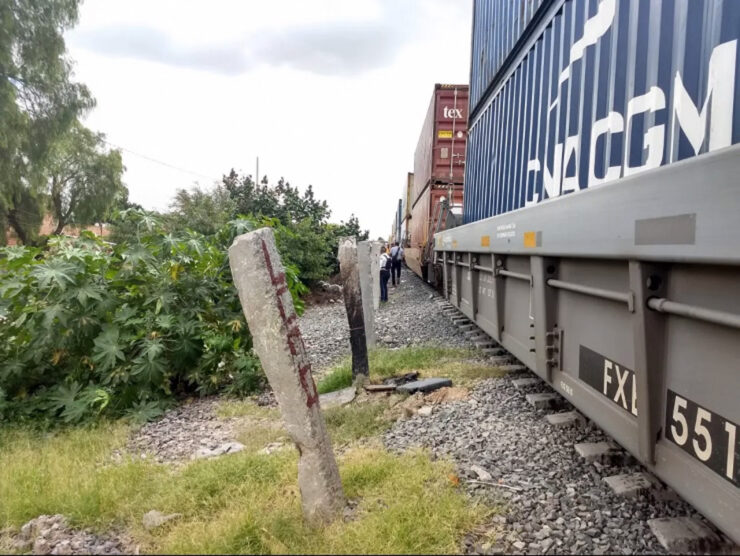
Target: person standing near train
396,258
385,272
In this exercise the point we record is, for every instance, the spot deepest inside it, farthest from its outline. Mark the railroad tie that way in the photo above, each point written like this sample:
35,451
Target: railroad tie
564,419
630,484
512,368
506,360
597,451
542,401
524,383
683,534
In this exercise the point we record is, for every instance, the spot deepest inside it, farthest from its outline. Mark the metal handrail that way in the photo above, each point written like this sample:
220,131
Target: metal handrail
662,305
623,297
517,275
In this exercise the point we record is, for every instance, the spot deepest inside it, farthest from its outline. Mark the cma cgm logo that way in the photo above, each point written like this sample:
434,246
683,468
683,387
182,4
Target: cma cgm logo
453,113
690,117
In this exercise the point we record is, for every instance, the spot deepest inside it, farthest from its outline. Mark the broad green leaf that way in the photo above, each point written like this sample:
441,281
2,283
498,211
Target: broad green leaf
55,312
87,291
55,272
11,287
107,351
151,348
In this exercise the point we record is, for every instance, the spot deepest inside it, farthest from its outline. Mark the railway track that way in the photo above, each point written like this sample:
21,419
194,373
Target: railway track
683,534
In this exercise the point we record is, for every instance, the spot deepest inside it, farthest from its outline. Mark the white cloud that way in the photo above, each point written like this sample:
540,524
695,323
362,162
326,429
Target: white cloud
329,93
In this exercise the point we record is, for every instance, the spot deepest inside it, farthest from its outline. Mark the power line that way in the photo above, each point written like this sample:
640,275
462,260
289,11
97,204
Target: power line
160,162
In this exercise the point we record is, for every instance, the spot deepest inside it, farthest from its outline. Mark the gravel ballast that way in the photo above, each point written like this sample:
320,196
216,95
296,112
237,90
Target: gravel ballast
182,432
553,500
410,317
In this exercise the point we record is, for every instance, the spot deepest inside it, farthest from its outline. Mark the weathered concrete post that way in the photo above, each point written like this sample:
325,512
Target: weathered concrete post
364,259
350,274
375,271
259,278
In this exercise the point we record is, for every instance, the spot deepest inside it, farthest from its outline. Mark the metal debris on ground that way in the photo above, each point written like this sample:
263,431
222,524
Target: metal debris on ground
402,379
426,385
380,387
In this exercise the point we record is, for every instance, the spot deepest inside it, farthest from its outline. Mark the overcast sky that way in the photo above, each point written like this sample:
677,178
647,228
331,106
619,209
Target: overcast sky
331,93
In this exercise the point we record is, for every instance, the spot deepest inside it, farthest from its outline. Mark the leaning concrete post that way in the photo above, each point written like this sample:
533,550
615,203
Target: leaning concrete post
350,274
375,271
259,278
364,256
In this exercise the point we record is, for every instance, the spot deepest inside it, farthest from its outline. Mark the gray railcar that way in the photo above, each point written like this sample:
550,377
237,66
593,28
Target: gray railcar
606,255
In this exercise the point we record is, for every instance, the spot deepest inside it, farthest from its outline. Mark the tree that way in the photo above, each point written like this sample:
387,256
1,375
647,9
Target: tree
84,178
202,211
38,103
282,201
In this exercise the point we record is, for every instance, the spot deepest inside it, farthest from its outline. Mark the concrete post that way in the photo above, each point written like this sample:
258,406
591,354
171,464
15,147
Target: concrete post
350,274
259,278
375,271
364,259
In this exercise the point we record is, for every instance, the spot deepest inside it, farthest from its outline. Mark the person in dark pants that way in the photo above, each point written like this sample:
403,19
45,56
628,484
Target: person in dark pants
385,273
396,257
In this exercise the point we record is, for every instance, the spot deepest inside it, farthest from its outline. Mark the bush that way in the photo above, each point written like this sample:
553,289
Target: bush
91,328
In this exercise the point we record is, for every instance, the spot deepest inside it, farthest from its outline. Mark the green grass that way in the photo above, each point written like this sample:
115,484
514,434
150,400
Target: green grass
245,408
429,361
339,377
354,422
242,503
250,502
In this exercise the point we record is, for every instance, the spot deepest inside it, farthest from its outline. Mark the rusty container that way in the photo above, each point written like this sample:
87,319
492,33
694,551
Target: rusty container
439,158
421,221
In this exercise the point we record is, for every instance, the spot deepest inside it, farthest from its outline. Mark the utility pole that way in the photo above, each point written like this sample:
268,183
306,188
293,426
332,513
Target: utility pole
257,172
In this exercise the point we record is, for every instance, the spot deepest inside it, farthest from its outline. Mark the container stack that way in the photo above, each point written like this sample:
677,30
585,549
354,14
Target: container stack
439,166
571,94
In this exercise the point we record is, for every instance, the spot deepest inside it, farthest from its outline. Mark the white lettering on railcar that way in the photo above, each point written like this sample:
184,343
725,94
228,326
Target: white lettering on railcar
710,126
566,388
506,230
617,382
703,434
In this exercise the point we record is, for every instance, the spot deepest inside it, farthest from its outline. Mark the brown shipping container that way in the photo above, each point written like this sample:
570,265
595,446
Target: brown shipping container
421,217
440,153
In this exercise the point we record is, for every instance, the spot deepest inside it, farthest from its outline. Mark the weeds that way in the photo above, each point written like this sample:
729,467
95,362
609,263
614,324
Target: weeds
242,503
456,364
349,423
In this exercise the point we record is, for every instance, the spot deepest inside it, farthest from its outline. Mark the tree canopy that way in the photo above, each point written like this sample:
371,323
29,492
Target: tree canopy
84,178
304,236
39,102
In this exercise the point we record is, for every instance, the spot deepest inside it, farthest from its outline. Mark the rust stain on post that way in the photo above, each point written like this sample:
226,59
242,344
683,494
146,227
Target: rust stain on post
259,278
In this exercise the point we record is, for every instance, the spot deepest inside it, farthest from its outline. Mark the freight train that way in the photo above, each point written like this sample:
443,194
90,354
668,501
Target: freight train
437,180
600,241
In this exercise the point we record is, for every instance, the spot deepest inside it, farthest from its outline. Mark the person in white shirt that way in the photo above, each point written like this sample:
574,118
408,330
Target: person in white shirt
385,273
396,258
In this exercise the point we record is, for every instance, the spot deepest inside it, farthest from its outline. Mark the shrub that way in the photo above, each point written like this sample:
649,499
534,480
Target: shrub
90,328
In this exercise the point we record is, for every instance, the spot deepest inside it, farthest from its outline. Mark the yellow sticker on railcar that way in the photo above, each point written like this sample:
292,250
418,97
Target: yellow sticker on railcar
444,134
485,241
454,244
530,239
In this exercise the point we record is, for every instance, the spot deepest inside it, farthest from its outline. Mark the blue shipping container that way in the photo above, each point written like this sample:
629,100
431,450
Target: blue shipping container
497,26
607,89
